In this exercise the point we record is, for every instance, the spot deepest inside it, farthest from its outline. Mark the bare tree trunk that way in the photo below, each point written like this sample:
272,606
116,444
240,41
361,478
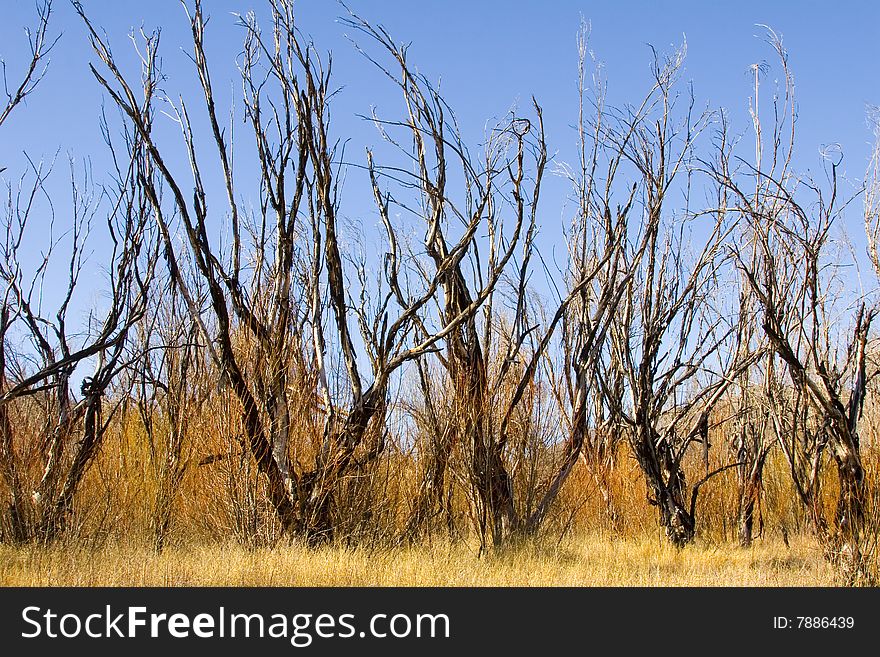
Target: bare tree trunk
667,487
748,500
53,520
849,518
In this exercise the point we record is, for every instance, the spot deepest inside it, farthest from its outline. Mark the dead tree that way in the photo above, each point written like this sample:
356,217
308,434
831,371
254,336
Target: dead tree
293,301
673,343
437,146
496,371
829,383
817,412
42,473
33,74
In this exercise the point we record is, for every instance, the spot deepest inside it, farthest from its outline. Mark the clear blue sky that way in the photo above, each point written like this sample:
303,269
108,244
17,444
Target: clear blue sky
490,54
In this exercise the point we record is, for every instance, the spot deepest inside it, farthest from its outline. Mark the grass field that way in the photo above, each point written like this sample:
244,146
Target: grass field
213,521
577,561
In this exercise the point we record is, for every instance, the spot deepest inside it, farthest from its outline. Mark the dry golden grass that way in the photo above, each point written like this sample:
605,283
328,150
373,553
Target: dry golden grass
592,560
221,508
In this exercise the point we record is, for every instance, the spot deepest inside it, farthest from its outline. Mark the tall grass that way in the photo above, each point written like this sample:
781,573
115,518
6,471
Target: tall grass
221,497
224,531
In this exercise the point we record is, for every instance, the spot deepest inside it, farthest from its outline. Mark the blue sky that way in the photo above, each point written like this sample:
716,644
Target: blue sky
490,55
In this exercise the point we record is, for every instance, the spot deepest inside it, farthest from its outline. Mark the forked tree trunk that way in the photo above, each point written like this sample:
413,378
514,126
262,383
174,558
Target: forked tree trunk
57,512
317,526
315,494
666,482
494,487
489,474
849,517
675,517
